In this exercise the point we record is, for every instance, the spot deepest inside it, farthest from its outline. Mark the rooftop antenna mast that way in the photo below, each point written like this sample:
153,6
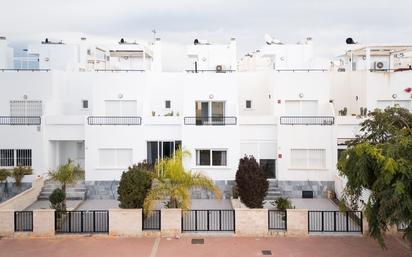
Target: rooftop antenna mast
154,34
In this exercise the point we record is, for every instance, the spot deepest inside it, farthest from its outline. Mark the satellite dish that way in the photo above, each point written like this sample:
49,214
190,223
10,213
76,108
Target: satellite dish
122,41
47,40
350,41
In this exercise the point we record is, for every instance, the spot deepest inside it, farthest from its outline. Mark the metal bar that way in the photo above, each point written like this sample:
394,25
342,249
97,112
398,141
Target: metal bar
347,221
322,222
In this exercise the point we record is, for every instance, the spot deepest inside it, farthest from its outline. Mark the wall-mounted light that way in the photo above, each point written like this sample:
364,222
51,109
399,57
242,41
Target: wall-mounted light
211,96
301,95
120,96
394,96
356,98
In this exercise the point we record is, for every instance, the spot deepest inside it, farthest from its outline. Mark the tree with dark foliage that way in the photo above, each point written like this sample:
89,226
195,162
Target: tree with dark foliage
251,182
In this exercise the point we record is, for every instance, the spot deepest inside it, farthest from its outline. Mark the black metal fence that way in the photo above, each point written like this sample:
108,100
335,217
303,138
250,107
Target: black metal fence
335,221
23,221
151,220
114,120
208,220
277,220
211,121
307,120
82,221
20,120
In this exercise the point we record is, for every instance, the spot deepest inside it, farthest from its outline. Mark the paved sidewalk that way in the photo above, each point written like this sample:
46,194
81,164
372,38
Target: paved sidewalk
213,247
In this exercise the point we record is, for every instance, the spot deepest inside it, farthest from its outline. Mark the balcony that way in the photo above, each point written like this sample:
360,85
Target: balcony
211,121
20,120
307,120
117,70
24,70
114,120
301,70
210,71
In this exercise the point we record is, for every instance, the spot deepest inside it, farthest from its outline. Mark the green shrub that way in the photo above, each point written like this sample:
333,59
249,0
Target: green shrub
4,174
283,203
251,182
56,199
134,186
19,172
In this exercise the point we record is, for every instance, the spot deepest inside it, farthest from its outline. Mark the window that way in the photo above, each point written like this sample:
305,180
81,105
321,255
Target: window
269,167
6,157
168,104
248,104
15,157
85,104
121,107
210,112
25,108
161,149
308,159
115,158
211,157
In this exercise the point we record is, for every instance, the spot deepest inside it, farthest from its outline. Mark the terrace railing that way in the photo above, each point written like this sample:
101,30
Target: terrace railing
208,220
307,120
210,71
23,70
82,221
152,220
211,121
23,221
335,221
20,120
114,120
277,220
302,70
115,70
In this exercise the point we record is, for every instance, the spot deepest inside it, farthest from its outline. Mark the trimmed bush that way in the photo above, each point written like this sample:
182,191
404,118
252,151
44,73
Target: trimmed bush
4,174
251,182
19,172
134,186
56,199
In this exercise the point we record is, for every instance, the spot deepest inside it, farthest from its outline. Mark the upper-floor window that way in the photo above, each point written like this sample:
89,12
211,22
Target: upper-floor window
308,158
26,108
210,112
121,107
208,157
85,104
248,104
15,157
168,104
301,107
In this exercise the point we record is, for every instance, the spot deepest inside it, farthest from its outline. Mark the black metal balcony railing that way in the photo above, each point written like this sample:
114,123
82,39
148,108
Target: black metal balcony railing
210,71
307,120
32,70
20,120
114,120
211,121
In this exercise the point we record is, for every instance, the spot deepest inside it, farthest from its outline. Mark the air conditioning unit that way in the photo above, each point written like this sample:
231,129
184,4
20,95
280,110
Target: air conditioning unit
379,65
219,68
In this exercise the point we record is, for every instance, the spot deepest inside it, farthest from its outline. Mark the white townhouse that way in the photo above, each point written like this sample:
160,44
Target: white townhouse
108,106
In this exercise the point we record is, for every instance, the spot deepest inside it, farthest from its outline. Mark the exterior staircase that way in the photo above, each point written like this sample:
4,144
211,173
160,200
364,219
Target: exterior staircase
73,192
273,191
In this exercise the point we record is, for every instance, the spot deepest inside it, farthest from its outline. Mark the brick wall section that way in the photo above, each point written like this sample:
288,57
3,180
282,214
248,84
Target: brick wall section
24,199
125,222
297,222
171,222
43,222
6,222
251,222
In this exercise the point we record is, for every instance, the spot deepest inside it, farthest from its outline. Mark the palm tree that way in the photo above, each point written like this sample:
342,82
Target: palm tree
171,181
66,175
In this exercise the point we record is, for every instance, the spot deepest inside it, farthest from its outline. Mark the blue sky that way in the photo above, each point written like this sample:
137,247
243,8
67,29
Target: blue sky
329,22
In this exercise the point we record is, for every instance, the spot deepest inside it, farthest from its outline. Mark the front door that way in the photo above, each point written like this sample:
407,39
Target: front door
269,167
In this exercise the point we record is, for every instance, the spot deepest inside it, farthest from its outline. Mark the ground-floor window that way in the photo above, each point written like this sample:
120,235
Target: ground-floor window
209,157
308,158
15,157
115,158
269,167
157,150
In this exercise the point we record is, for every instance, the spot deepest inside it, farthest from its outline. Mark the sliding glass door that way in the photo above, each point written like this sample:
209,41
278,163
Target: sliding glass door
210,112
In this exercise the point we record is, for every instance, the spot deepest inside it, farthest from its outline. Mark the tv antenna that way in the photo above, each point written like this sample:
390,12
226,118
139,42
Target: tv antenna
154,34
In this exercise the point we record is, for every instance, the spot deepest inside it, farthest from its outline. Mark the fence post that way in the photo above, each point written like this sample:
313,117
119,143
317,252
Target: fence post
171,222
297,222
6,222
125,222
43,222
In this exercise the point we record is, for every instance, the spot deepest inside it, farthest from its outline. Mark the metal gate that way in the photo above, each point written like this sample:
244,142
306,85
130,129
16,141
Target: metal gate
208,220
335,221
82,221
23,221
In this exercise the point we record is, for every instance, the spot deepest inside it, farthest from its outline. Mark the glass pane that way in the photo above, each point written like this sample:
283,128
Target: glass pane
309,108
203,157
129,108
316,158
219,158
6,158
23,157
178,145
152,151
218,109
292,108
269,167
168,149
113,108
298,158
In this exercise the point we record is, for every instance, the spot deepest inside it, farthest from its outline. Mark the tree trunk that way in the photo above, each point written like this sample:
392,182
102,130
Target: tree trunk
173,202
64,201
